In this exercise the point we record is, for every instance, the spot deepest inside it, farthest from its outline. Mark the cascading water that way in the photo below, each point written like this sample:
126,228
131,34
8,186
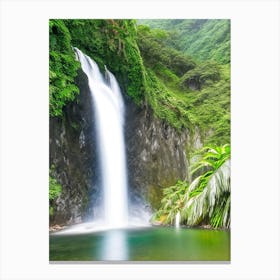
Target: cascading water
109,119
177,220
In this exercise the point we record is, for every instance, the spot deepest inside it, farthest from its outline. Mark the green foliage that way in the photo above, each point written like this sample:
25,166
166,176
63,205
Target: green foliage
203,39
208,108
164,82
109,42
165,104
208,196
204,73
172,203
211,108
185,93
55,190
62,68
211,157
112,42
210,40
152,44
206,200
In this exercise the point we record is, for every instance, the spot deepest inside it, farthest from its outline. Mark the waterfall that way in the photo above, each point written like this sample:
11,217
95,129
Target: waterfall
109,122
177,220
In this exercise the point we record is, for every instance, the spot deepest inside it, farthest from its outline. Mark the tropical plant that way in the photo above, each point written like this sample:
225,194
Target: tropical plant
207,199
172,203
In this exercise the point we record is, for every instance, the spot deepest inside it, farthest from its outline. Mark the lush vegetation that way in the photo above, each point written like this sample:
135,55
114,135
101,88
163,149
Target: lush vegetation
150,67
108,42
63,68
179,68
203,39
112,43
171,203
185,92
156,53
206,200
54,191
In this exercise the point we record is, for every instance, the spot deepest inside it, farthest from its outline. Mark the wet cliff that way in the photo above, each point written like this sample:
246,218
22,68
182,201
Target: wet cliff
156,157
73,158
156,154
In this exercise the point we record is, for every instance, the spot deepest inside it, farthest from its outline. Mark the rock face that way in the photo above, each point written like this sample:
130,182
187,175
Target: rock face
156,154
156,157
73,158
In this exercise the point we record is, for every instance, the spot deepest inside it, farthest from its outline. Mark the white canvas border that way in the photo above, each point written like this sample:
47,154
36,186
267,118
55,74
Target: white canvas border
24,138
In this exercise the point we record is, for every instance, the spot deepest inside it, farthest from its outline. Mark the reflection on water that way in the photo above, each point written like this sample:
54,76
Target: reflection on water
142,244
114,246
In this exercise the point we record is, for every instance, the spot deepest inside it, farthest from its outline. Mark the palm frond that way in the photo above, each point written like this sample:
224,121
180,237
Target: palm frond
206,202
207,198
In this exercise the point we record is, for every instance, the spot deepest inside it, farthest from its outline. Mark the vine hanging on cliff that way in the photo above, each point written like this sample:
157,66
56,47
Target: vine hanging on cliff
63,68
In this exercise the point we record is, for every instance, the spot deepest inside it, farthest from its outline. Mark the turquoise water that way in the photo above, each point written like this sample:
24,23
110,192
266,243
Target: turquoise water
145,244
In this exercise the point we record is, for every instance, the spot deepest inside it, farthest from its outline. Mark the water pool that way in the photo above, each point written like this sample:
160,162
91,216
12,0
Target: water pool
142,244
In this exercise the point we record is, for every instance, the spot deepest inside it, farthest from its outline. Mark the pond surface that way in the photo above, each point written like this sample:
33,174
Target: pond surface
142,244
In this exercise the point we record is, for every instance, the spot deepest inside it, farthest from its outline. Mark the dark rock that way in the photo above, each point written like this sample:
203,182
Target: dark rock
73,155
156,154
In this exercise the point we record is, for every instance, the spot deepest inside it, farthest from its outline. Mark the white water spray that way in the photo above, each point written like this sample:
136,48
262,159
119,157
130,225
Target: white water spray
177,220
109,116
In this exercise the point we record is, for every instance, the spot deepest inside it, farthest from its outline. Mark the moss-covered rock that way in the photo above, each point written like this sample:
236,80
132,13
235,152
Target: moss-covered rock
73,158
